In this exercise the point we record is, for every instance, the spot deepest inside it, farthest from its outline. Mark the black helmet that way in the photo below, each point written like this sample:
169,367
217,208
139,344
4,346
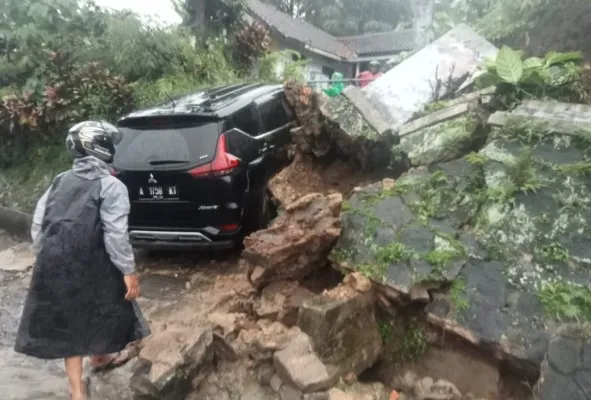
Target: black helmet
93,138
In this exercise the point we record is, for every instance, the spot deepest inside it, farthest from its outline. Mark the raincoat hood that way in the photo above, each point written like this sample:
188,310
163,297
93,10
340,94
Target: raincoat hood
90,168
336,85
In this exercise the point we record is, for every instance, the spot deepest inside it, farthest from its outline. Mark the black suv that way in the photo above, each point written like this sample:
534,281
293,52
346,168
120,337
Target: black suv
197,166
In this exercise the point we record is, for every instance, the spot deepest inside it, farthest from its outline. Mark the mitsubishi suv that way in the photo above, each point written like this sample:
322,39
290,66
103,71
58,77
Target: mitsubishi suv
197,166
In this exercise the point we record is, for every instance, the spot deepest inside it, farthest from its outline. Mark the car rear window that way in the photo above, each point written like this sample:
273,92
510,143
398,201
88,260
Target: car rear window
165,147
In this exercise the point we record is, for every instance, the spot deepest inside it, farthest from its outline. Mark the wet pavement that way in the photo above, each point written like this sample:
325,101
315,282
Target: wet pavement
21,377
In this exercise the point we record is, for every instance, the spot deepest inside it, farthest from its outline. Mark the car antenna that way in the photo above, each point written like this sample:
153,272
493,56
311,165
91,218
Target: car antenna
171,100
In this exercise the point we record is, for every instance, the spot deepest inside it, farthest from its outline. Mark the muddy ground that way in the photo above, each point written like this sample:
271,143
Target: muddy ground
187,290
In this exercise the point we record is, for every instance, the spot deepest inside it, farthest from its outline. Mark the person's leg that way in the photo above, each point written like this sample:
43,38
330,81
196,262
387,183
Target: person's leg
74,372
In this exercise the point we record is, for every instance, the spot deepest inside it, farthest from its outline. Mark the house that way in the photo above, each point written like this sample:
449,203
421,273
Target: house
325,53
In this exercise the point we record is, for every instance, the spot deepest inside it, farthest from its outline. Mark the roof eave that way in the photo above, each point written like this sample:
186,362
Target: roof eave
325,53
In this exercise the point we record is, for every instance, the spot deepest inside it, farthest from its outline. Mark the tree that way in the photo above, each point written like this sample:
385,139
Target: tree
209,17
346,17
29,29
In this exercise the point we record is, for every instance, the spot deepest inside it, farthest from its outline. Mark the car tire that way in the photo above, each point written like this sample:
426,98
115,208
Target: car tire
265,210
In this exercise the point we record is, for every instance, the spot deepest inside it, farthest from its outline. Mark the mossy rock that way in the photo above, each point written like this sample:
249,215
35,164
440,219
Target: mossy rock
515,218
445,141
408,234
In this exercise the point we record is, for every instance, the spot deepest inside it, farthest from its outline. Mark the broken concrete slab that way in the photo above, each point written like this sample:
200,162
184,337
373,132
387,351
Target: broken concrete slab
358,99
343,327
567,118
408,87
297,242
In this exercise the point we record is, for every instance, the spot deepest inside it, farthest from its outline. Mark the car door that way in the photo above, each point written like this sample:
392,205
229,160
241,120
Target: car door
276,122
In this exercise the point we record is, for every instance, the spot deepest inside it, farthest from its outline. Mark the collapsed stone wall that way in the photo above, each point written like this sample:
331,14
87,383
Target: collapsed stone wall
486,228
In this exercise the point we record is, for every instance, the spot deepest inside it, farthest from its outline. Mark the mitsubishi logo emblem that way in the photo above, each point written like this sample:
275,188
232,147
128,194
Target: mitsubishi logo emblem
152,179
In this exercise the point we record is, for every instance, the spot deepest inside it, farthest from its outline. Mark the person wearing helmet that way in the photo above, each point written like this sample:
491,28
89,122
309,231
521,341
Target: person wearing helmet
366,77
81,299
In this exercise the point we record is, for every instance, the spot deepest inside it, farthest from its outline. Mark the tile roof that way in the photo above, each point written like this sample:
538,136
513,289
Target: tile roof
376,43
299,30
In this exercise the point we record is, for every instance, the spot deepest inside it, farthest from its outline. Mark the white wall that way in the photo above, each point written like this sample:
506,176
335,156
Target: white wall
315,61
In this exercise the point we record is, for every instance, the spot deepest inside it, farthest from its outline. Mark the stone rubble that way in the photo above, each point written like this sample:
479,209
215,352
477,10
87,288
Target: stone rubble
297,242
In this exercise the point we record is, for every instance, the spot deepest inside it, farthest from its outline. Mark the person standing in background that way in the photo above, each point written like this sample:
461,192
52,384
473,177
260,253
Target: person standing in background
366,77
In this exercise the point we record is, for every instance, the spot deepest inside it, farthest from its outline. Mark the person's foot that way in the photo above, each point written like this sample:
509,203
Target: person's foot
110,361
85,395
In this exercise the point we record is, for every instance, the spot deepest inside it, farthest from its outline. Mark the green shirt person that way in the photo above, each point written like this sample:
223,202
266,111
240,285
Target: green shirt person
336,85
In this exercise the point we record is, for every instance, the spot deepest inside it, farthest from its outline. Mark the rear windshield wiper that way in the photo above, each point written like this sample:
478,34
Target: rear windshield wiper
161,162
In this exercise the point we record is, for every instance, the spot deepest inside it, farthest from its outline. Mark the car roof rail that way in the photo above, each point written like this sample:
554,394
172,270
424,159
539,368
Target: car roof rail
223,90
213,103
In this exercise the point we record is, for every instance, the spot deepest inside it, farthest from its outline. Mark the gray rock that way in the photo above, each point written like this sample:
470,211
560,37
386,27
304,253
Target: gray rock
444,139
299,367
171,362
563,375
276,383
265,373
289,393
316,396
564,355
343,330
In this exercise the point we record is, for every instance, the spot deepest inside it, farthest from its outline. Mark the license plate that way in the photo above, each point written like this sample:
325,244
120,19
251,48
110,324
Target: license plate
159,192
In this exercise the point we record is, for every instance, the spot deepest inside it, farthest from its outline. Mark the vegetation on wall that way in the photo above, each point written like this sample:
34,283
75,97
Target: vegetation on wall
555,76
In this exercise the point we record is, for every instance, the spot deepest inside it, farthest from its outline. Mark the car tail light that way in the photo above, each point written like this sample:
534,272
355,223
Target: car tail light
222,164
228,227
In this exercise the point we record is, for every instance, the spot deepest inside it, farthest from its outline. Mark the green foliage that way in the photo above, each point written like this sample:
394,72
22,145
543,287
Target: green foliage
475,158
281,66
553,77
73,92
522,172
251,42
449,13
347,17
553,252
505,19
566,301
393,253
66,60
457,294
404,339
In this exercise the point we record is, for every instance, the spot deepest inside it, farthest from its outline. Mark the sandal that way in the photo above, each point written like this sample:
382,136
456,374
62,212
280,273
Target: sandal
111,361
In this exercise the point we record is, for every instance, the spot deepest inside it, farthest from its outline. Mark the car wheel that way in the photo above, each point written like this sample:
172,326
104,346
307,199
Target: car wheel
265,210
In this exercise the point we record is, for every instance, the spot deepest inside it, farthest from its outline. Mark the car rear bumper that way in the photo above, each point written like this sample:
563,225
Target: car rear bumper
171,240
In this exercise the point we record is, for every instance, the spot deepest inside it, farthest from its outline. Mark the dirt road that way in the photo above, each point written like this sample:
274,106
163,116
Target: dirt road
179,289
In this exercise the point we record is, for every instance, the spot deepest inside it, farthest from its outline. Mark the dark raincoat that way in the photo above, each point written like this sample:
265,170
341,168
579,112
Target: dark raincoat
75,305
